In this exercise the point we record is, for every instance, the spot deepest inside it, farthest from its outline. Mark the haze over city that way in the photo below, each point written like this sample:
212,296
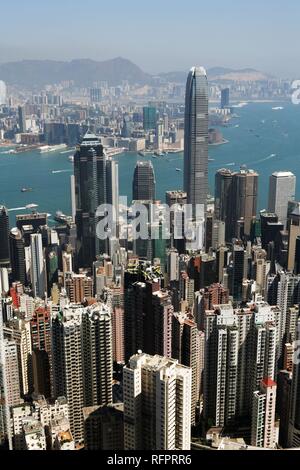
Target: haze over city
159,36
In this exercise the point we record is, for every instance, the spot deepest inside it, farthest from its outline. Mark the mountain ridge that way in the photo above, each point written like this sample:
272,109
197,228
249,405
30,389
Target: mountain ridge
85,72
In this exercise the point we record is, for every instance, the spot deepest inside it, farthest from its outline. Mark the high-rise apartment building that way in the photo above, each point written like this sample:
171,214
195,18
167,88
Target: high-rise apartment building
187,347
196,138
78,287
240,351
5,427
157,404
138,309
42,351
263,415
12,377
83,361
284,291
97,355
19,331
293,234
162,315
68,366
294,412
205,299
118,334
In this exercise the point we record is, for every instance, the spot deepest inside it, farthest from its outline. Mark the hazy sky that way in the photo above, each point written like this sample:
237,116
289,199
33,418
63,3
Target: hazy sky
158,35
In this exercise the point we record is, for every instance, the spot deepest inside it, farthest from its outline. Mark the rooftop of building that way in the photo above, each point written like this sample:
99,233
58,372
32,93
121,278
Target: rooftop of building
198,70
283,174
268,382
156,363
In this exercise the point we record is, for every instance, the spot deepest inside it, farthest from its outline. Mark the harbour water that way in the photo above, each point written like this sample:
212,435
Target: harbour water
262,138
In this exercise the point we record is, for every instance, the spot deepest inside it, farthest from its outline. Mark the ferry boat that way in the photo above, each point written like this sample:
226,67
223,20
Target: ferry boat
62,218
52,148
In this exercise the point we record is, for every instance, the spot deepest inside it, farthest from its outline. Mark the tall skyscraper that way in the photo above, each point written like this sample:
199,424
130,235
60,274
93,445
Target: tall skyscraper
282,190
245,192
225,94
223,200
143,187
4,238
3,92
196,138
73,197
38,272
157,404
178,198
17,256
112,185
90,190
22,119
150,117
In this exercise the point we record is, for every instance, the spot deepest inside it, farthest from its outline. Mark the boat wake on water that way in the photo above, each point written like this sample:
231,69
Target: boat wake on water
54,172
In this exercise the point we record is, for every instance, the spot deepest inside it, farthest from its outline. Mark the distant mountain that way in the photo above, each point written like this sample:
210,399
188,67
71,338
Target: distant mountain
251,75
31,73
219,73
84,72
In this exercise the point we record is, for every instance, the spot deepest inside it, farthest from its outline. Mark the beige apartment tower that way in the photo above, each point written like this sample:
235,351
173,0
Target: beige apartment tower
157,404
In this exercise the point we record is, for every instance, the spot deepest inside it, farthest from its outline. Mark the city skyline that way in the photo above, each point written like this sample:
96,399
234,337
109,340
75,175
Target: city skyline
148,301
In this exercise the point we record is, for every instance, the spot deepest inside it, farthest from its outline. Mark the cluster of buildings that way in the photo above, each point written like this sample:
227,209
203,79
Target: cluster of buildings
121,342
